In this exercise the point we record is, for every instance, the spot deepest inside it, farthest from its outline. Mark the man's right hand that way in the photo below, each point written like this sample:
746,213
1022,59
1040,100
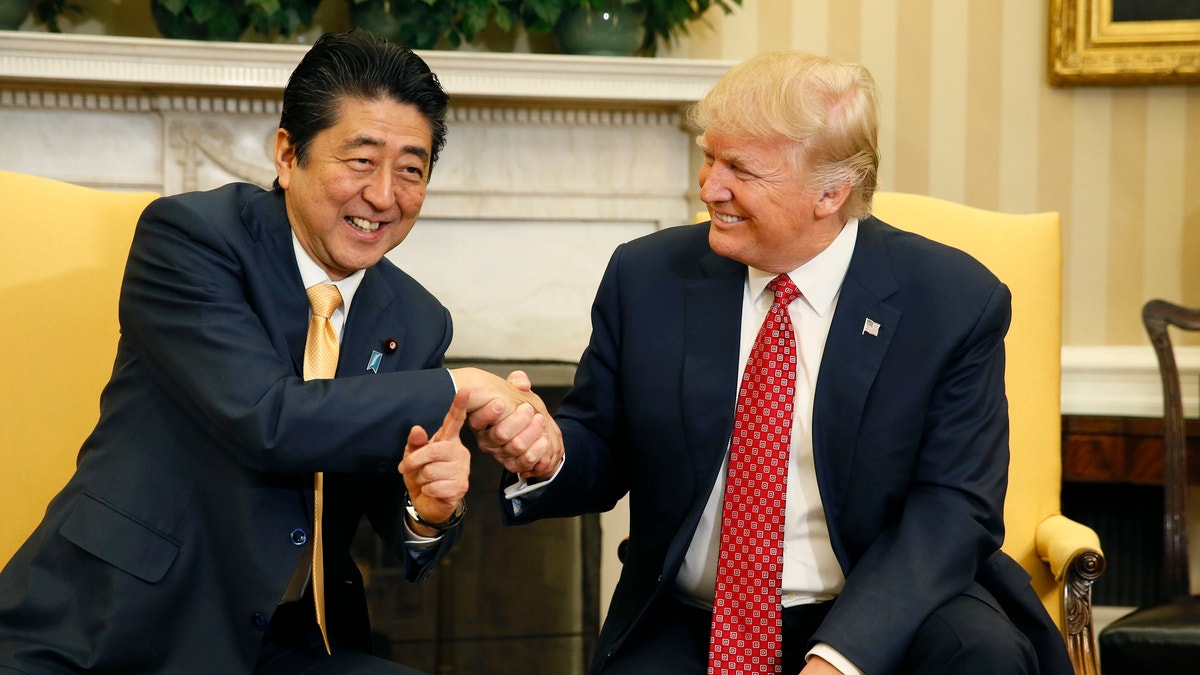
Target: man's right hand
526,441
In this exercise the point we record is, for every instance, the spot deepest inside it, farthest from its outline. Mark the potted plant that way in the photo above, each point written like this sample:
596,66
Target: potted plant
425,24
228,19
667,19
47,13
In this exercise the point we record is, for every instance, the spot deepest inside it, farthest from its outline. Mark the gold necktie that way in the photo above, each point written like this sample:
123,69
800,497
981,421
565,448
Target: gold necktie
320,363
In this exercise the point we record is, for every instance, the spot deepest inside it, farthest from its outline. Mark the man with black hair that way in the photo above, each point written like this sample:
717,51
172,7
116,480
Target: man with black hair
186,541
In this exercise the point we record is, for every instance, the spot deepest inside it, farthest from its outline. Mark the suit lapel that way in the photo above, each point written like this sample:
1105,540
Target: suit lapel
286,307
364,333
710,368
852,358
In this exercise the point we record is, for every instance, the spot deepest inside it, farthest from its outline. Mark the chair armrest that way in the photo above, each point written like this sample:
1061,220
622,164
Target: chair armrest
1073,552
1060,541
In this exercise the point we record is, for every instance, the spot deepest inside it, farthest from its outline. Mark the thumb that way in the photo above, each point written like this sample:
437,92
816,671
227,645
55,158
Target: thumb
520,380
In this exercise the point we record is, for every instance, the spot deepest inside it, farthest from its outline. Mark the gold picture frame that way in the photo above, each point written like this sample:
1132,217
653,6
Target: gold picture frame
1089,47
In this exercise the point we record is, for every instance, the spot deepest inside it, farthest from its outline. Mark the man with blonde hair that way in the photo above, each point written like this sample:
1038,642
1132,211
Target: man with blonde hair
806,409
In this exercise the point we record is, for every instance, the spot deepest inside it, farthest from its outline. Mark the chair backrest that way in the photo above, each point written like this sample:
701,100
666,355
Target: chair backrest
1158,316
1025,252
64,256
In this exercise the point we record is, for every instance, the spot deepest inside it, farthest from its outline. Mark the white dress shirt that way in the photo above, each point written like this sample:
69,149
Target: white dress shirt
811,572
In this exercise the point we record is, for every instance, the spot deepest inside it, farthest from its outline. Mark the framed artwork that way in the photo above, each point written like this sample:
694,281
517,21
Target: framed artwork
1116,42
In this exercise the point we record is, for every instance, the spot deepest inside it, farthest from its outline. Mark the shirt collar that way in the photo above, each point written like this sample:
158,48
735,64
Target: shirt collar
819,279
311,274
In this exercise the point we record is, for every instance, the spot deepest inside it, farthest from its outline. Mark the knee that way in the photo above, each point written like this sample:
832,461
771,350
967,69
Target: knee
969,636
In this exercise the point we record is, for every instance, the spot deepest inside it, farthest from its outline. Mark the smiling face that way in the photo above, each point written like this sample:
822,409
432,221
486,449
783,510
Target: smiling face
763,212
360,188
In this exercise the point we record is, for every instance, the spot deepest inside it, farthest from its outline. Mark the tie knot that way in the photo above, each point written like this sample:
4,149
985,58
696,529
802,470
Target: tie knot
785,290
324,298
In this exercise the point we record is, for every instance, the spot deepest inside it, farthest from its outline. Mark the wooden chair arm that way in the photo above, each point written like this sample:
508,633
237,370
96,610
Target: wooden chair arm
1073,552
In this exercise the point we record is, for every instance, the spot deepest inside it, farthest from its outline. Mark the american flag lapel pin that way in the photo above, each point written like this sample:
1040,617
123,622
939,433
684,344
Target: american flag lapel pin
870,326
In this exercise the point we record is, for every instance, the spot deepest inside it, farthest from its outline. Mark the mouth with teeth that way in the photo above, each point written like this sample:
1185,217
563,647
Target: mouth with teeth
727,219
362,224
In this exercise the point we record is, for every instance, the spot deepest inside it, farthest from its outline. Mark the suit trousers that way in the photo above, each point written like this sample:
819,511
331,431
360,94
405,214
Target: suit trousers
966,635
293,645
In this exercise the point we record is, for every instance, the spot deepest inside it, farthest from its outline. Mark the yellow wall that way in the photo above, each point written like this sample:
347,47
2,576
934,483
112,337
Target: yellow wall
968,116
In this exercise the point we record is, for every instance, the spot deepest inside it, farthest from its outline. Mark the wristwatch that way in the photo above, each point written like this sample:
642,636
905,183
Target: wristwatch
454,519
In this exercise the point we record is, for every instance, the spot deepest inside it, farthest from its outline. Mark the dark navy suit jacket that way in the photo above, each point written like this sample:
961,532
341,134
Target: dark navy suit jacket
910,432
169,549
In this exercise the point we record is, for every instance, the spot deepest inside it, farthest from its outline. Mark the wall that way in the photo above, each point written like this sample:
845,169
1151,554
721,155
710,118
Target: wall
968,116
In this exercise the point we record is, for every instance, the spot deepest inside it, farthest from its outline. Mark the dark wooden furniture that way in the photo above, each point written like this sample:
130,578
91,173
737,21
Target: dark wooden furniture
1164,637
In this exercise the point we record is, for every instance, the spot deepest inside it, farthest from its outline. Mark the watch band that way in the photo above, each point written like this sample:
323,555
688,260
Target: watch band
454,519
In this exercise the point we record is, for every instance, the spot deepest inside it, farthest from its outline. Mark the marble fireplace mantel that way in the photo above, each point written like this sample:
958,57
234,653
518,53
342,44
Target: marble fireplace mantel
551,160
248,69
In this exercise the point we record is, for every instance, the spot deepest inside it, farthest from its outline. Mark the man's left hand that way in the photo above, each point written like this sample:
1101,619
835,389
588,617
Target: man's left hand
437,470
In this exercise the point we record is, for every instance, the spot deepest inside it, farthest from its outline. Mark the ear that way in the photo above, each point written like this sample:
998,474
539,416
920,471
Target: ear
831,200
285,157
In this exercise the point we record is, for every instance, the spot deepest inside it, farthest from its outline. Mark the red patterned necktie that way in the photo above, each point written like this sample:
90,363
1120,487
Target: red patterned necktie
747,619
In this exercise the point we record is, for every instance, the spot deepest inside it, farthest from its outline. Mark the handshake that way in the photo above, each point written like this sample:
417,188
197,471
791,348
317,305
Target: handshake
510,422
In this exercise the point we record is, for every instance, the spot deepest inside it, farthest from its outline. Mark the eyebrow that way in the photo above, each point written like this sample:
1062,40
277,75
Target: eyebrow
729,156
375,142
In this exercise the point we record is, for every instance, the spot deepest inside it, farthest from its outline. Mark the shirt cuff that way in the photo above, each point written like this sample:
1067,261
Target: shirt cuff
834,657
417,543
528,485
528,488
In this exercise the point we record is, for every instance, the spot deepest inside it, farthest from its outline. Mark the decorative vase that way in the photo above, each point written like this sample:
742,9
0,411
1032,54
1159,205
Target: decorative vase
224,27
609,29
13,13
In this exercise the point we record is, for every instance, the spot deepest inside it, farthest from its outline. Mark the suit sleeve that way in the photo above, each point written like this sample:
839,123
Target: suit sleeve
592,478
192,318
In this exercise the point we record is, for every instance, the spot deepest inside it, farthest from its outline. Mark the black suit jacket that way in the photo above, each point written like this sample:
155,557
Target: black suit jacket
170,547
910,432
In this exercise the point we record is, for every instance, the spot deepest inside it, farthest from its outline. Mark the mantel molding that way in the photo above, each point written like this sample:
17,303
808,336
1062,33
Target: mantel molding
45,60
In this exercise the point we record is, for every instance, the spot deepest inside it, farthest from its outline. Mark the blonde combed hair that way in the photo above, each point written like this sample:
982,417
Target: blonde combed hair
828,110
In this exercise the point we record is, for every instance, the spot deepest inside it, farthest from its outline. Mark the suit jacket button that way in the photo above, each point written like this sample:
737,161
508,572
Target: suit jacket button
299,537
260,621
385,467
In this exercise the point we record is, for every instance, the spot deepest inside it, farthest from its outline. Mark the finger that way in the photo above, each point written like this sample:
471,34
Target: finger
487,415
520,380
537,402
452,424
529,442
549,452
436,461
514,435
412,451
417,438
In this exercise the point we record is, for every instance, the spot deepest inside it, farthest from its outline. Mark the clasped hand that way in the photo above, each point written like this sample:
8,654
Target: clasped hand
525,440
511,424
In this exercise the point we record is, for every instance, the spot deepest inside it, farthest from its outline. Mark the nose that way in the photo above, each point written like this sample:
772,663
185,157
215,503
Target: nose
379,192
712,185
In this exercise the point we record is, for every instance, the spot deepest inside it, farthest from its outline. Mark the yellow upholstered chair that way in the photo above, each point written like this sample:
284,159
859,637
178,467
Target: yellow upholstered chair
1025,252
64,254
